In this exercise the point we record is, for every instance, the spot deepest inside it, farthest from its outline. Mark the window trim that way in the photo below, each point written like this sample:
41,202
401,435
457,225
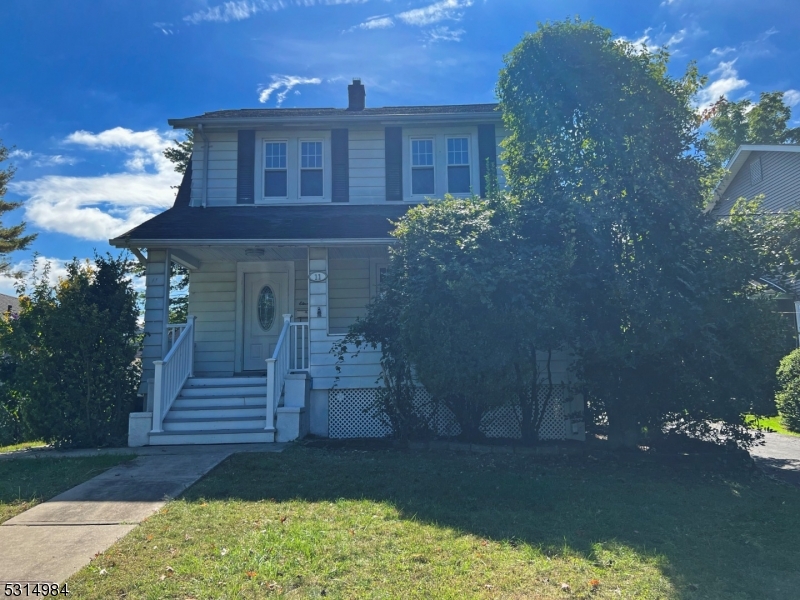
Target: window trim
293,162
469,163
439,135
300,168
411,167
264,168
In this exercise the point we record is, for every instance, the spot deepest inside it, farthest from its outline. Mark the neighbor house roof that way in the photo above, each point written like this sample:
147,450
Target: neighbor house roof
310,115
739,159
9,304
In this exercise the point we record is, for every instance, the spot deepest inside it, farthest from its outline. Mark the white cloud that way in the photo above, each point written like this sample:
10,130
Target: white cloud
99,207
653,38
379,22
727,80
43,160
445,34
285,83
722,51
791,97
434,13
239,10
58,271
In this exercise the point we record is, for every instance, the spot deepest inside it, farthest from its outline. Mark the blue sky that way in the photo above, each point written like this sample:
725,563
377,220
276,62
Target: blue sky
88,85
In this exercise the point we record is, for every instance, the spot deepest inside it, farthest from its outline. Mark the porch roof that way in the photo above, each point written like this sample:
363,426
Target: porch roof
265,224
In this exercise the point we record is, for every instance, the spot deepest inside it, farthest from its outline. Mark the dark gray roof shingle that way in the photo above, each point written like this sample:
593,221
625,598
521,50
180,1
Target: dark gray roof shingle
301,222
262,113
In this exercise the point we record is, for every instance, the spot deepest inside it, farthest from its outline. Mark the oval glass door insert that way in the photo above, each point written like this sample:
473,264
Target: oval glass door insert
266,308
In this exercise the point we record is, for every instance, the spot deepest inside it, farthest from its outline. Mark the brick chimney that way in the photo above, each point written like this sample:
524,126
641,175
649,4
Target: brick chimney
356,95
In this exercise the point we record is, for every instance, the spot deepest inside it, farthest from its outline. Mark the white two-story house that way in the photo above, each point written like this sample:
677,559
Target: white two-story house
283,221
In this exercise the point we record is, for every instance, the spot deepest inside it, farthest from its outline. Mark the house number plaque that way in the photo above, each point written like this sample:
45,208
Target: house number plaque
317,276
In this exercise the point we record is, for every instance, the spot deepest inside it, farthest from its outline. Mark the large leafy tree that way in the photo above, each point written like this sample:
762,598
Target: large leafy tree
603,143
73,349
180,154
11,238
744,122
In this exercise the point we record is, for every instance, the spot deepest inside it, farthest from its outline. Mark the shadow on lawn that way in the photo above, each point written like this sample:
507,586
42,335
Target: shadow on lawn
730,532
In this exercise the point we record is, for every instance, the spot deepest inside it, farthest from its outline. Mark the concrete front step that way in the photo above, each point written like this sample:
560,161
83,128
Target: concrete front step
209,424
220,436
224,381
217,412
228,401
227,390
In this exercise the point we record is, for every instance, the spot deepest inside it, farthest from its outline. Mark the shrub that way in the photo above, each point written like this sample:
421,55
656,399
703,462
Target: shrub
74,345
788,397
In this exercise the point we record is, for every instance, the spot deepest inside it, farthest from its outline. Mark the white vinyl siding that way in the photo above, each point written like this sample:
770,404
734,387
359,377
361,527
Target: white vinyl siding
348,292
367,166
212,299
366,157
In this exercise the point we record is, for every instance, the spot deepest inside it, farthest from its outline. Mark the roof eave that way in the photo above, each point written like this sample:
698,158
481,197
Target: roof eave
223,122
122,242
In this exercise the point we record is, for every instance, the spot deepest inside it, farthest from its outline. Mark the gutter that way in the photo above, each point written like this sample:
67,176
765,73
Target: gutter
166,243
204,187
400,119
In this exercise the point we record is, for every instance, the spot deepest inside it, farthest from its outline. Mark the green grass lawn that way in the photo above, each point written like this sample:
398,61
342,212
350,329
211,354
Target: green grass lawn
25,482
22,446
770,424
313,523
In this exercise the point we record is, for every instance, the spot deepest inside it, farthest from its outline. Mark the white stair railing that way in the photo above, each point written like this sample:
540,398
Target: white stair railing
172,373
277,367
300,347
174,331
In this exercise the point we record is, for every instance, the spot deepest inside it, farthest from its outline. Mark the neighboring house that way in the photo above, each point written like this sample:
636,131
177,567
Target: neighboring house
9,305
774,172
283,219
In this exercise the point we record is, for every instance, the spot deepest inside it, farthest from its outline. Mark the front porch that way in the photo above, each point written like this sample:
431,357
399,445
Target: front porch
253,361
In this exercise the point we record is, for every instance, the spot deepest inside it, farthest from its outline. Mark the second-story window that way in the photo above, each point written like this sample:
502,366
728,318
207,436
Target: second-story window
458,178
275,170
310,169
422,175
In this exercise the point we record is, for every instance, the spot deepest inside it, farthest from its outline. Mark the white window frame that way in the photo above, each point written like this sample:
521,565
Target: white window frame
470,163
300,168
293,162
439,136
264,167
411,140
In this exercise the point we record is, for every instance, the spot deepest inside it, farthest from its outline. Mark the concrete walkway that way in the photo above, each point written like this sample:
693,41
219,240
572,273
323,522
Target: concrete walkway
53,540
779,457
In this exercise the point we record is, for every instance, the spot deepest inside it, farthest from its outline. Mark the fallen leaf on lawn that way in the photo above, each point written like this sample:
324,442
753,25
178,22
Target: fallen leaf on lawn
224,551
149,537
565,587
169,570
489,586
273,585
595,583
103,572
251,574
162,578
283,519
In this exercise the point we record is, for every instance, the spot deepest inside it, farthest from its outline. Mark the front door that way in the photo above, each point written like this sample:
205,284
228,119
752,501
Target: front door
266,299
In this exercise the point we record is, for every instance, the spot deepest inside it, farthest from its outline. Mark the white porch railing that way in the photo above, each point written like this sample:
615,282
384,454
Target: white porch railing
172,373
291,354
174,331
298,336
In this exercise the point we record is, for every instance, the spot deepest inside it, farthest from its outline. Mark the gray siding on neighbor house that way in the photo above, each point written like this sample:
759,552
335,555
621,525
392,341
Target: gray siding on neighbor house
780,183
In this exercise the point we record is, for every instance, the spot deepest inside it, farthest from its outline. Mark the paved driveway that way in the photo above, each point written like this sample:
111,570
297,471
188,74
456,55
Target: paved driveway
780,456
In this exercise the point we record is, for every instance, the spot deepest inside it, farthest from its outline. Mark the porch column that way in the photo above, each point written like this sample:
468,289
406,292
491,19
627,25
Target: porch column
156,315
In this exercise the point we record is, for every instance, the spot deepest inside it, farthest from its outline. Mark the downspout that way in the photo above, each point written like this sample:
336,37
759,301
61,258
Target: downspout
205,165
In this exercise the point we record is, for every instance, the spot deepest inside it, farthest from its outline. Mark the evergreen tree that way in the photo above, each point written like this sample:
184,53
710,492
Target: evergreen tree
11,238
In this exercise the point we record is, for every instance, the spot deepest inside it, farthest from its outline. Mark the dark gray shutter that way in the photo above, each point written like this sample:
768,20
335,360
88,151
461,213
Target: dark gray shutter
487,149
340,165
246,167
394,163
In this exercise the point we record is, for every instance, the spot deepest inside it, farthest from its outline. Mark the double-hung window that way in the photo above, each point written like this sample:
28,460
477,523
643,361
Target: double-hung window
275,170
458,176
422,170
310,169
